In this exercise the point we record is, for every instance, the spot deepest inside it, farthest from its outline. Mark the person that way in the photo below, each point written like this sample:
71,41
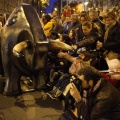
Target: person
82,18
67,10
97,23
60,65
75,24
47,24
72,34
69,39
77,62
111,43
65,38
54,13
59,68
63,19
57,28
98,101
90,37
88,44
66,25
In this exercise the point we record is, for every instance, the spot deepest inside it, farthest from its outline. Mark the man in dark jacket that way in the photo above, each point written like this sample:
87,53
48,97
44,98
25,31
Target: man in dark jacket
98,101
75,24
57,28
112,35
97,23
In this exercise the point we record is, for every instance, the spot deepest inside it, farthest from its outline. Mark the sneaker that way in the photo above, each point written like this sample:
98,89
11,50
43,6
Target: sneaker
58,93
52,95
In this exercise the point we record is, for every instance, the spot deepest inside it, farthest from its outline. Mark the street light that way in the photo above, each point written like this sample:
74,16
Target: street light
85,4
55,9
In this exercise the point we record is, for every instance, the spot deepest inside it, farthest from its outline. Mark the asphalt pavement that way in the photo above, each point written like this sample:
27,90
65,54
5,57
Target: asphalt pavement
30,106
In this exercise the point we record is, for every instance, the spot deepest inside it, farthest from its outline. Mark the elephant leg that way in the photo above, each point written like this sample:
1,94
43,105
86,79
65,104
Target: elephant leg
39,80
12,83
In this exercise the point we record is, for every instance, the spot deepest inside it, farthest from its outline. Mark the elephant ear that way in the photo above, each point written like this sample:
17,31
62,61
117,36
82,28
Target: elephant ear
56,46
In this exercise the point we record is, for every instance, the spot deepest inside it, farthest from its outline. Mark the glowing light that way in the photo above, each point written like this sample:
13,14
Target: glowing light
55,9
86,3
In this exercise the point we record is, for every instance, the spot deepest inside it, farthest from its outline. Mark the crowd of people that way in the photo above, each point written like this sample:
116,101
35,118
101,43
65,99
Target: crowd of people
76,75
95,40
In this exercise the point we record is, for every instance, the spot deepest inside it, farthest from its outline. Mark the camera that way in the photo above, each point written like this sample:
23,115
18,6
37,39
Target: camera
69,102
76,81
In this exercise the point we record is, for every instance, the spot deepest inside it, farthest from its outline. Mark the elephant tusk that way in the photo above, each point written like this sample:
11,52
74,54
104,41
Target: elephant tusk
19,47
18,54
